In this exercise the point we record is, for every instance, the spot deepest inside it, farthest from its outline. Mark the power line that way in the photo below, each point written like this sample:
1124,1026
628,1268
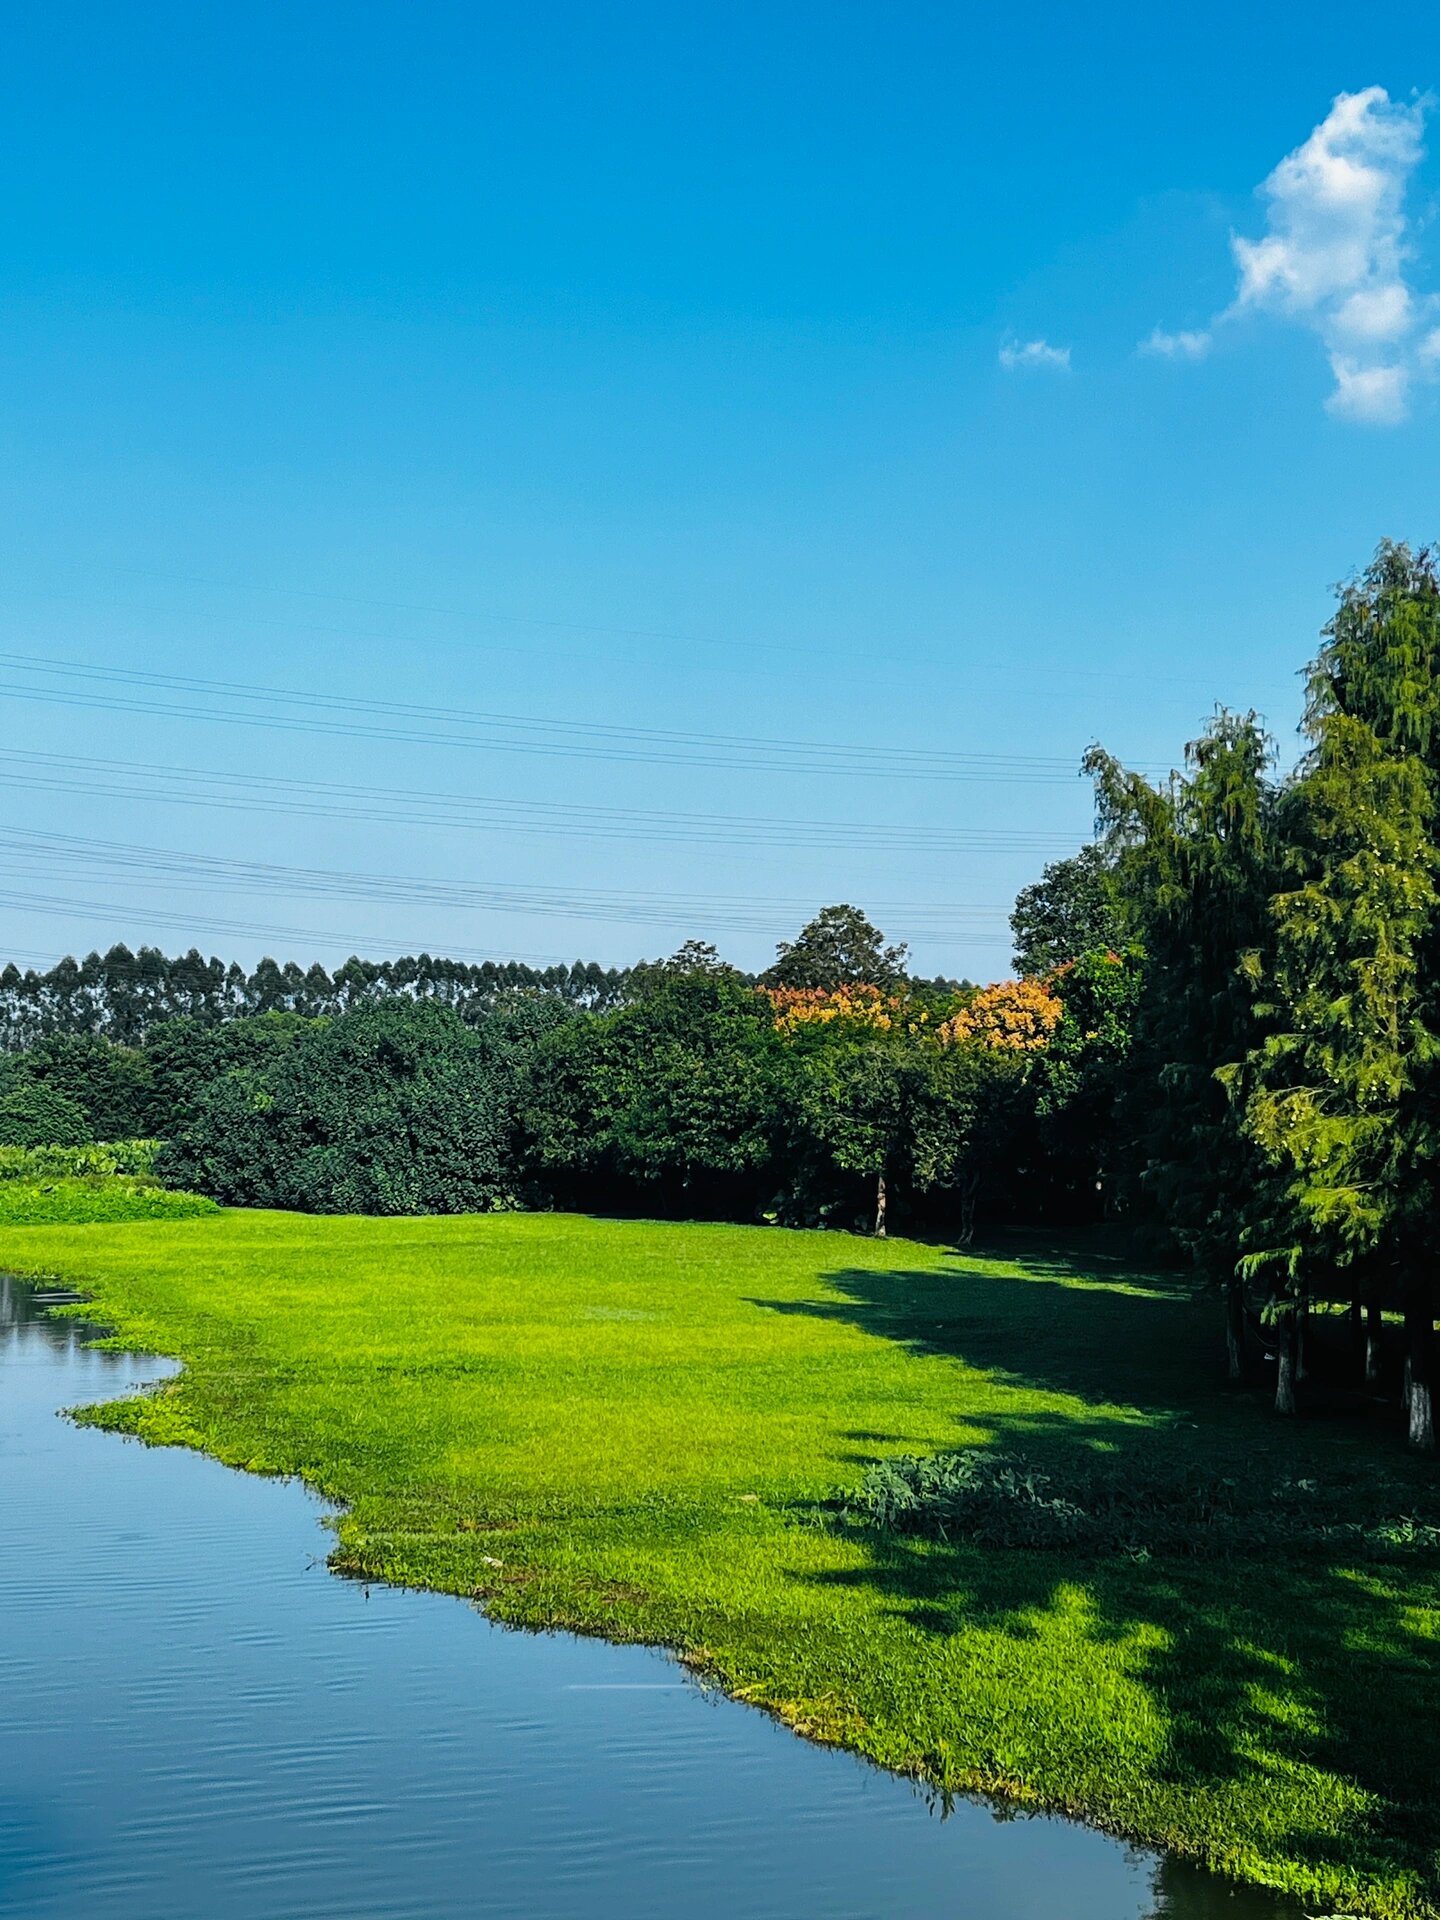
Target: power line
733,913
864,656
190,924
245,792
521,733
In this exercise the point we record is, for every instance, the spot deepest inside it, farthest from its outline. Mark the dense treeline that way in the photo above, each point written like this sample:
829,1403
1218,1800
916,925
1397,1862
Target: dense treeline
125,996
836,1089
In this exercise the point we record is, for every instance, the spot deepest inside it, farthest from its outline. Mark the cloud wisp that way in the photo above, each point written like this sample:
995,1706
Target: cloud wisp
1033,356
1178,346
1335,258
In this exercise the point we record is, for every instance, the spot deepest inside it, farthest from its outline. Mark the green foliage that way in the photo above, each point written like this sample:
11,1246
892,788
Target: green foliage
684,1100
392,1109
1083,1078
1088,1051
125,996
1001,1499
96,1199
1340,1093
1342,1089
1287,1036
672,1103
893,1106
35,1115
1074,908
860,1093
132,1158
838,948
1333,1086
110,1084
635,1420
1195,861
187,1056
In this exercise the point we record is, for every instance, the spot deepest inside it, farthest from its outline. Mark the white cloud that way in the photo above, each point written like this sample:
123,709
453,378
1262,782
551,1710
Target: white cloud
1335,257
1377,395
1376,313
1337,211
1178,346
1034,354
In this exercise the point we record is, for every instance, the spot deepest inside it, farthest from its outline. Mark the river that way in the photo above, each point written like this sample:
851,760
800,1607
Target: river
198,1722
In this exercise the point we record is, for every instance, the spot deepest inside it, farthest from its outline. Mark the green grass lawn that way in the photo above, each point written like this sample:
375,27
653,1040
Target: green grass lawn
629,1428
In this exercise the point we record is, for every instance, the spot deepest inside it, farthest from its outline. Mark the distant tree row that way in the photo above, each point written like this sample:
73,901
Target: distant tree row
122,995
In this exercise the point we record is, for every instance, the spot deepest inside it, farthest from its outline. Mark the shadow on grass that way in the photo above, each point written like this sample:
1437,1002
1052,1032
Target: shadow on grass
1256,1665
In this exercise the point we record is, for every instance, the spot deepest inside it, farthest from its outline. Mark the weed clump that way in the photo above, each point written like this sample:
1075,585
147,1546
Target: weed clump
1001,1499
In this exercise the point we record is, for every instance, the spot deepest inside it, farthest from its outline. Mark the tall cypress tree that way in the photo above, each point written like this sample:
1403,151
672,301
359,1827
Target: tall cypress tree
1341,1093
1194,865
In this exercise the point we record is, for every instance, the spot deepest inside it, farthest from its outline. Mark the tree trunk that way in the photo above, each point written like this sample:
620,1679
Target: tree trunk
1355,1336
969,1190
1419,1368
1285,1370
1235,1331
1374,1342
880,1205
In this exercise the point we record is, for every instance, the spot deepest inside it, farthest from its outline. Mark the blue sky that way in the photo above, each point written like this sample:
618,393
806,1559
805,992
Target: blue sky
672,381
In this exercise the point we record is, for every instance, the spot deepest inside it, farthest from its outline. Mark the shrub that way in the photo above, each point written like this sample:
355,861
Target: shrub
135,1158
393,1109
72,1202
35,1115
186,1056
1000,1499
110,1084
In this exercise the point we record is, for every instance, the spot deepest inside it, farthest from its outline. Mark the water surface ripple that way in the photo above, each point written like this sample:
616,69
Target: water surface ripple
197,1720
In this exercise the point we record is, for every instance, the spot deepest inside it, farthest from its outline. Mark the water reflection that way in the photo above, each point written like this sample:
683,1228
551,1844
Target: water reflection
197,1719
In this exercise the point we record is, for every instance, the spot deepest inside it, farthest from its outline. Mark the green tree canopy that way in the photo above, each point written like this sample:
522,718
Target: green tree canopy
112,1085
1195,862
396,1108
1074,908
673,1102
840,947
35,1115
187,1056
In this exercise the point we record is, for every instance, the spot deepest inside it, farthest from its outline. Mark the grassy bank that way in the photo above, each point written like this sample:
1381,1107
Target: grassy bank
630,1428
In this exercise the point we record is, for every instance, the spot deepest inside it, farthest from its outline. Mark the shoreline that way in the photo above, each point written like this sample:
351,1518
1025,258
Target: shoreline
523,1584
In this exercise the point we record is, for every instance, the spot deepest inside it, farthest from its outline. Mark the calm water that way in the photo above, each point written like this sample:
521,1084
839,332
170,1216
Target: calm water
197,1719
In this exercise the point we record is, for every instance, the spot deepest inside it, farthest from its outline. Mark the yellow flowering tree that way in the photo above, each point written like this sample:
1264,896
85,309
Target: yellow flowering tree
854,1006
1013,1016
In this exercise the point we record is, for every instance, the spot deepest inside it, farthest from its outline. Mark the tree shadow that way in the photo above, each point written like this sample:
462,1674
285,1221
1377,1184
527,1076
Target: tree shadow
1255,1664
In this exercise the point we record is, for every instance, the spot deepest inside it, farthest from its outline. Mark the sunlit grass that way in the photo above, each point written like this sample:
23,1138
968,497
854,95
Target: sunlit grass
632,1428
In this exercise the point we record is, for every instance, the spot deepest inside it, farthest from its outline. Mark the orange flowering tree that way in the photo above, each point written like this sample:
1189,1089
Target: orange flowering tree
1014,1016
906,1088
